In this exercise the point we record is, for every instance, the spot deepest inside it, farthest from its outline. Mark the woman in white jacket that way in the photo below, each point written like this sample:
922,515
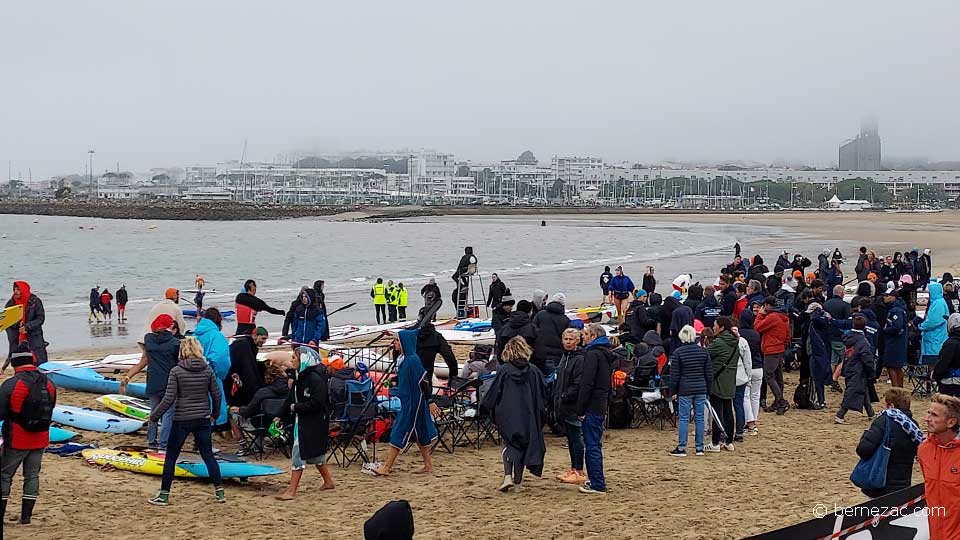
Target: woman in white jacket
744,368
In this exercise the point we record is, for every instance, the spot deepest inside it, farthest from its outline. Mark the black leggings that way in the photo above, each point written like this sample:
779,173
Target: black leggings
724,408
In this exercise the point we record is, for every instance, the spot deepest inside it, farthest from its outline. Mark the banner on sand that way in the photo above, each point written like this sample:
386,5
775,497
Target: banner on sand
898,516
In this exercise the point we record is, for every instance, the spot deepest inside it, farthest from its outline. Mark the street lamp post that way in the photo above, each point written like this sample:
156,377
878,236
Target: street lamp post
91,152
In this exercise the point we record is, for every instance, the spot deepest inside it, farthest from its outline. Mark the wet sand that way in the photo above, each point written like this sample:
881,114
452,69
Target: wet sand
772,480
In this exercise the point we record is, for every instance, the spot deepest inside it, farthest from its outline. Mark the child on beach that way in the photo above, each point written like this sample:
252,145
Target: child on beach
310,406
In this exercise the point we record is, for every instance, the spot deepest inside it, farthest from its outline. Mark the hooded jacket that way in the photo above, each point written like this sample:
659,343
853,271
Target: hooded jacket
858,368
549,325
940,464
217,352
724,356
934,326
682,316
163,353
312,407
694,296
691,373
305,322
249,372
32,319
595,383
637,320
518,400
605,278
519,324
895,335
666,316
193,386
497,291
499,318
818,347
649,350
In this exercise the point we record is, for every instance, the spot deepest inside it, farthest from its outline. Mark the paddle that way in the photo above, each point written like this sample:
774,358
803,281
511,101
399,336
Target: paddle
339,309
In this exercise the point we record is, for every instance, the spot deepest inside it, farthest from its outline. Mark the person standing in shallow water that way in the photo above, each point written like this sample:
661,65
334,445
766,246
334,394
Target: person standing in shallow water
122,298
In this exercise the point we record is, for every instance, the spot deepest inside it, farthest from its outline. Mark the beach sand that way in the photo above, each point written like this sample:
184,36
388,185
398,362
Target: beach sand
772,480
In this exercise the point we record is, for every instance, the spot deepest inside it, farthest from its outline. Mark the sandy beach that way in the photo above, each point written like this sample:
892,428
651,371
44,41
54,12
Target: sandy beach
772,480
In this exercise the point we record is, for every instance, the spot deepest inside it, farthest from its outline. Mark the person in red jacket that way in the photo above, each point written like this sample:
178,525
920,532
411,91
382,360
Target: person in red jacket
106,300
247,306
26,431
774,328
939,457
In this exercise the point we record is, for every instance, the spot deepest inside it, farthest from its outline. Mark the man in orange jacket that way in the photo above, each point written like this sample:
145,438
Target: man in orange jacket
939,458
773,324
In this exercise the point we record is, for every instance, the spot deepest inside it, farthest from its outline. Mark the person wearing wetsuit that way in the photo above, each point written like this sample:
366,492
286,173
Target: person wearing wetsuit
122,298
248,305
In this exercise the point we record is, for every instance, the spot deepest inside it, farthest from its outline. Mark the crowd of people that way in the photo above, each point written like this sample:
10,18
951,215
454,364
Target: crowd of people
717,351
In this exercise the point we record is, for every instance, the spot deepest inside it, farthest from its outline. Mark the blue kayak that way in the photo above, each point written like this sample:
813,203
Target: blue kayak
474,326
88,380
94,420
190,312
57,435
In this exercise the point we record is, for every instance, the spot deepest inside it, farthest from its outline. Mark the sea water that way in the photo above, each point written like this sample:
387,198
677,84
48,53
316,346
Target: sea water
64,257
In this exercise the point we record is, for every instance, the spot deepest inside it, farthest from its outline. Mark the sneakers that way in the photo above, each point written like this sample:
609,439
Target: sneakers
712,448
752,431
738,438
162,498
838,420
220,495
678,452
728,447
586,488
700,452
507,484
835,386
783,408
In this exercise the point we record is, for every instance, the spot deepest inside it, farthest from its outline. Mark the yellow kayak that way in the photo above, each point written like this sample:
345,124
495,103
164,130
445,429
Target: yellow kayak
126,405
11,316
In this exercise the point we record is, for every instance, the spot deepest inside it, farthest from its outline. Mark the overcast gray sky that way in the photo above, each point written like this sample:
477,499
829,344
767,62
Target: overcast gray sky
179,83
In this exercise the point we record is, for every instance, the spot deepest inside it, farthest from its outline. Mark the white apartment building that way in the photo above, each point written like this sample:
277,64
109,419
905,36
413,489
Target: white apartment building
431,174
579,172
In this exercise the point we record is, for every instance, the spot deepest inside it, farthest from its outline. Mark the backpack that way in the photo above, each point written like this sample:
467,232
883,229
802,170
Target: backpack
620,412
37,408
804,397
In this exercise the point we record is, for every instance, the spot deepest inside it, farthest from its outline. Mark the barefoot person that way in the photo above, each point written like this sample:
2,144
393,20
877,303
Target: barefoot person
311,409
518,400
415,420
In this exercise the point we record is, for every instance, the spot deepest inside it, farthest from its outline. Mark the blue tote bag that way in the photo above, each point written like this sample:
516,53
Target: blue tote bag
872,473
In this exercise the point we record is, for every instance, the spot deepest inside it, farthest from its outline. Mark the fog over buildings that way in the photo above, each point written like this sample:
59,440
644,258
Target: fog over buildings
180,83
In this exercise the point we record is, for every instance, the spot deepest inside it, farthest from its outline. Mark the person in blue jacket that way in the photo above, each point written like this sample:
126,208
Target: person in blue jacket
415,421
305,322
621,289
217,352
934,326
895,336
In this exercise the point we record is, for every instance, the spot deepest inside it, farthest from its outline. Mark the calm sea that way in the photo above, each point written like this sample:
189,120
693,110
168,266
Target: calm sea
63,257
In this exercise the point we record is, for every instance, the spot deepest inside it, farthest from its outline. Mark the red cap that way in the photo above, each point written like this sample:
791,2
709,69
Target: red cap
162,322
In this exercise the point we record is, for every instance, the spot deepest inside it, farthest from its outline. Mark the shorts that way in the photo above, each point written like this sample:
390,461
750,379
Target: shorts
299,464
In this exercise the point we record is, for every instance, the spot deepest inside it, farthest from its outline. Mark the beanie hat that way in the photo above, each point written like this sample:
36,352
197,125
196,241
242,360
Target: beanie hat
162,322
171,293
907,279
524,306
797,274
640,293
559,298
676,294
261,331
872,276
687,334
507,300
21,355
953,322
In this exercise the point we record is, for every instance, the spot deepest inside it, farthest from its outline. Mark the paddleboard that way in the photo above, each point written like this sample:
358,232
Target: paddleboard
86,379
190,312
463,337
11,316
57,435
187,467
135,408
474,326
93,420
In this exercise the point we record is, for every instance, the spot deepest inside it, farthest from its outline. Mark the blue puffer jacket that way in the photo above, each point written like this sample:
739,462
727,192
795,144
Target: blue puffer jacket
621,284
934,326
691,372
306,321
217,352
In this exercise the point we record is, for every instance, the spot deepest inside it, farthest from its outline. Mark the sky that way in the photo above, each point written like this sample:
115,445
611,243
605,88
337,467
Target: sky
158,84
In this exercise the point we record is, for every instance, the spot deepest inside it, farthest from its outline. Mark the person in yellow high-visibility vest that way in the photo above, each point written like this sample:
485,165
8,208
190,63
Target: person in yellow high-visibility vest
402,301
392,301
379,295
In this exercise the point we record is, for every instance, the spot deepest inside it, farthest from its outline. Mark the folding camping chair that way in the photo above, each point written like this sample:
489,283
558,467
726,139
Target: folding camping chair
352,427
919,377
453,425
266,433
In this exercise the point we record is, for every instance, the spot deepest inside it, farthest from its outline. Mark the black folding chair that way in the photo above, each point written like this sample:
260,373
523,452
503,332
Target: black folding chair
256,437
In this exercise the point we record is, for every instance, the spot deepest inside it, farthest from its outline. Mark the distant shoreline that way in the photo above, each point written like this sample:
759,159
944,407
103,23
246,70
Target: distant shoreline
251,212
